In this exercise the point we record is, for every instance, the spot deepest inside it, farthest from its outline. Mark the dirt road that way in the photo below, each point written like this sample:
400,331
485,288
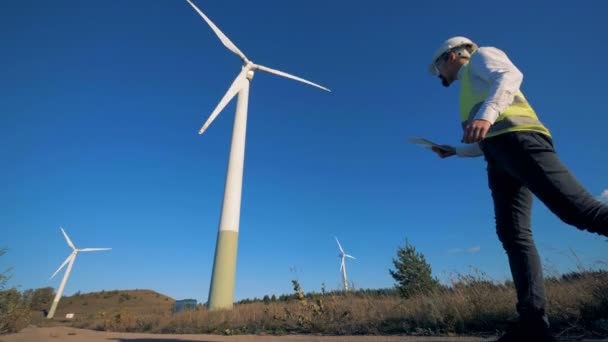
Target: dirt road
65,334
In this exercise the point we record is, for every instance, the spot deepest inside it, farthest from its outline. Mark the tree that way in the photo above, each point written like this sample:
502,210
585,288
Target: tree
42,298
5,275
14,308
412,273
297,289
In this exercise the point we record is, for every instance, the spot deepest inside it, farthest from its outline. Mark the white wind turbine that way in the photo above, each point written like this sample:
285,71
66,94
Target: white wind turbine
343,255
70,262
221,292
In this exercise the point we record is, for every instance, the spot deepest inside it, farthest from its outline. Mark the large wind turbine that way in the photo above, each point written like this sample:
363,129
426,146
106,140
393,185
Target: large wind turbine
343,255
70,262
221,291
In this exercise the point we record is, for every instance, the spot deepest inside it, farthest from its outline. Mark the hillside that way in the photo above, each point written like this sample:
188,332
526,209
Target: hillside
99,305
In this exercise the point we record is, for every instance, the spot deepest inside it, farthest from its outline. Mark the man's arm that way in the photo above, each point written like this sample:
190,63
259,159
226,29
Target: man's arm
493,66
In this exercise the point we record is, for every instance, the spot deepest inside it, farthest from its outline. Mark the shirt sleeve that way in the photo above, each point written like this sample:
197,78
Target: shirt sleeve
492,66
468,151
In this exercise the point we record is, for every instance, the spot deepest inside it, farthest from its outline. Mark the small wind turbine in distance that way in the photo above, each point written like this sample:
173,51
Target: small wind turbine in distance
70,262
343,255
221,291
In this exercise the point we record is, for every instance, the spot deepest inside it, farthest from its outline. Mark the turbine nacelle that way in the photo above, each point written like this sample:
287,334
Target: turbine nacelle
70,262
343,255
75,251
246,73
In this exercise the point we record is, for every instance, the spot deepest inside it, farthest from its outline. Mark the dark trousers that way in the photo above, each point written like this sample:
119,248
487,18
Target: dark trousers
522,164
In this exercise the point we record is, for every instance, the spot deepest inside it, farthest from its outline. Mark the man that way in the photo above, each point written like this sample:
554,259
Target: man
501,125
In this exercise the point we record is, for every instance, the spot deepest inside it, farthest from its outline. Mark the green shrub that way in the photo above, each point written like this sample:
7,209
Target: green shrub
14,307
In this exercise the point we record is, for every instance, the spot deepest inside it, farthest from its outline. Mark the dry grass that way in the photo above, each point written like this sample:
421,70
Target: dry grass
472,305
578,303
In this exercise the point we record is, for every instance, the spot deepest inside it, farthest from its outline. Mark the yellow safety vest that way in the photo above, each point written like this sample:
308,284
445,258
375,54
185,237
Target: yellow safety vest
519,116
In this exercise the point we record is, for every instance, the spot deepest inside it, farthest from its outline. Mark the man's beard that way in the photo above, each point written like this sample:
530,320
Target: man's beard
444,82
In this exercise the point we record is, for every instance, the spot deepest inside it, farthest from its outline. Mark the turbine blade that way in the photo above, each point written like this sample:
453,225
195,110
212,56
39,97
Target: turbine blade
236,86
93,249
339,246
349,256
62,265
227,42
67,239
341,265
284,74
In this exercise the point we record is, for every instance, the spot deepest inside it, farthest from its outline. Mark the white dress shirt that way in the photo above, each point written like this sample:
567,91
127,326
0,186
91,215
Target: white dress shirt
493,72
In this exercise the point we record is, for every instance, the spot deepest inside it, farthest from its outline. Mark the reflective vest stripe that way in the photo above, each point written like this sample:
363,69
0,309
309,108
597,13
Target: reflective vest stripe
510,122
519,116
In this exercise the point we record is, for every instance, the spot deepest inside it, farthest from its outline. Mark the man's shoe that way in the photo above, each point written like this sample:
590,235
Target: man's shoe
528,332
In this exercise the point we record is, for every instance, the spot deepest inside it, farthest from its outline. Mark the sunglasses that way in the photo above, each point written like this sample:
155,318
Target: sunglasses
440,60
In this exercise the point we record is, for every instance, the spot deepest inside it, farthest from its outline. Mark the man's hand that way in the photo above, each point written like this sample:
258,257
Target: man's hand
444,151
476,131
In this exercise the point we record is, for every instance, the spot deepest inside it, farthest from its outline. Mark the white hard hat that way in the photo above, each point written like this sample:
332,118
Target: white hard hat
448,45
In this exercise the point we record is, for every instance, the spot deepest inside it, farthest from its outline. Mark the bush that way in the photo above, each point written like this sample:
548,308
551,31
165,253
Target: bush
40,299
124,297
14,307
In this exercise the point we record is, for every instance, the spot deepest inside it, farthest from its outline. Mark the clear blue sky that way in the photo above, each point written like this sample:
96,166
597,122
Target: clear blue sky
101,102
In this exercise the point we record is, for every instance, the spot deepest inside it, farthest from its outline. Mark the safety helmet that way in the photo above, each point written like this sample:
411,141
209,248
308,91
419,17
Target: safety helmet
449,45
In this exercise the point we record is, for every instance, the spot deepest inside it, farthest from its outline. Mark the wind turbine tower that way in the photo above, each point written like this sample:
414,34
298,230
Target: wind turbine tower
221,291
70,262
342,256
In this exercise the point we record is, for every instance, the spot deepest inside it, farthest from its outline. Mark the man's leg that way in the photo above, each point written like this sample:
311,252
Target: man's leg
530,158
512,208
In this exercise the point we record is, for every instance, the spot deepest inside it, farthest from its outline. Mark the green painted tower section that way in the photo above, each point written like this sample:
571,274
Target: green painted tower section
221,293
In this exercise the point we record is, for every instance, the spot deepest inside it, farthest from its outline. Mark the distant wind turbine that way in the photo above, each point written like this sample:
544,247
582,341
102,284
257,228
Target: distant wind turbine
70,262
343,255
221,291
